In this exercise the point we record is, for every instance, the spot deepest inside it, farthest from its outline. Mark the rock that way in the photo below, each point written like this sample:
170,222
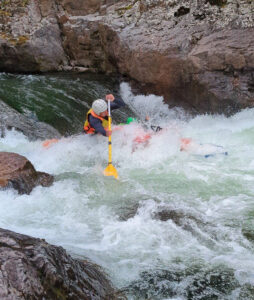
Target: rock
30,39
167,45
10,118
179,217
30,268
18,172
200,57
127,212
196,281
83,46
192,53
80,7
204,232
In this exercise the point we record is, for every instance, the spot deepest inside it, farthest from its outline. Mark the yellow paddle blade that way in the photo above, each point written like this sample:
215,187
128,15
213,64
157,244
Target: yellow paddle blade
110,171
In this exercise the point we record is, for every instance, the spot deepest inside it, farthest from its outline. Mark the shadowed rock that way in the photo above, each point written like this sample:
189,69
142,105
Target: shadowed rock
18,172
10,118
30,268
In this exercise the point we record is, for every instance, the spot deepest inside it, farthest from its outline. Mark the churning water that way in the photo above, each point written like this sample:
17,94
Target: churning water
176,225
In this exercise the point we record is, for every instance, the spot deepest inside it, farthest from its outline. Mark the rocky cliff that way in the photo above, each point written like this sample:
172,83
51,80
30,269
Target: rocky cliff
197,54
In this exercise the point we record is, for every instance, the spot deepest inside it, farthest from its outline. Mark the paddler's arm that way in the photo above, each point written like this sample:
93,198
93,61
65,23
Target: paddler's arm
116,103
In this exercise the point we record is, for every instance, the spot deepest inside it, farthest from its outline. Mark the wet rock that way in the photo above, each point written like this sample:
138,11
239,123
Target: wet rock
10,118
17,172
176,215
204,232
248,234
30,268
191,283
126,213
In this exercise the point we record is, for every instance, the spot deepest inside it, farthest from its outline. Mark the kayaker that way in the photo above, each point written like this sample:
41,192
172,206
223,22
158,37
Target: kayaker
97,117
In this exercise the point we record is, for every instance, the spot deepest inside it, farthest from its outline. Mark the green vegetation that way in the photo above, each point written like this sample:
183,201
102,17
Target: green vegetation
122,10
4,8
4,3
20,40
24,2
58,293
4,13
7,9
7,5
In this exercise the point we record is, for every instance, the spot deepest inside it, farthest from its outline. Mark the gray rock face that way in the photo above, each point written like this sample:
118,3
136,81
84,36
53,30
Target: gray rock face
17,172
33,269
30,38
198,54
10,118
194,53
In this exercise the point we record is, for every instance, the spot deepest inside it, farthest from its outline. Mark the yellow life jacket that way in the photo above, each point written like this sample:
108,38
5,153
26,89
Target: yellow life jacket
87,126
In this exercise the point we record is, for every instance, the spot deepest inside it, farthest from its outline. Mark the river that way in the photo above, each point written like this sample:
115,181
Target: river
176,225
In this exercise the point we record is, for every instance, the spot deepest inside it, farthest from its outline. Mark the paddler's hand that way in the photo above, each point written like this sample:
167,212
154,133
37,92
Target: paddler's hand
108,132
110,97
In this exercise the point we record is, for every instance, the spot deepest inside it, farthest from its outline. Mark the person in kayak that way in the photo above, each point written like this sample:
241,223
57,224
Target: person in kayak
97,117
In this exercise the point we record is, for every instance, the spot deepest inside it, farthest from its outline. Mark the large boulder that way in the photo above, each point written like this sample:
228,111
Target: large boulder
12,119
30,268
196,54
17,172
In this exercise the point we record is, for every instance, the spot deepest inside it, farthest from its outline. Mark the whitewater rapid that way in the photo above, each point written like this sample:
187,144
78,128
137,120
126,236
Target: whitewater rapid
118,224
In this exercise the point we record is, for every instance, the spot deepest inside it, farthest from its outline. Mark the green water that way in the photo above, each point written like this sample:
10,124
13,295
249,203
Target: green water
60,100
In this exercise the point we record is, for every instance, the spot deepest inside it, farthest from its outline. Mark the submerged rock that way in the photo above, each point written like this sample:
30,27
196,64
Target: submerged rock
17,172
30,268
10,118
195,282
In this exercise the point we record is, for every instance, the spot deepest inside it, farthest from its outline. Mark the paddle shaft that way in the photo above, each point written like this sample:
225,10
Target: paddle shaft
110,170
109,138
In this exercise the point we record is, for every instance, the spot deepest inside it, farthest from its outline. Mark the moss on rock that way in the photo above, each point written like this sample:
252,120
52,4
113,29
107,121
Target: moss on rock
122,10
15,41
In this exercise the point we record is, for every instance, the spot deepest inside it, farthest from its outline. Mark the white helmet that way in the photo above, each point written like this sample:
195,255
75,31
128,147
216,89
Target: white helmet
99,106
